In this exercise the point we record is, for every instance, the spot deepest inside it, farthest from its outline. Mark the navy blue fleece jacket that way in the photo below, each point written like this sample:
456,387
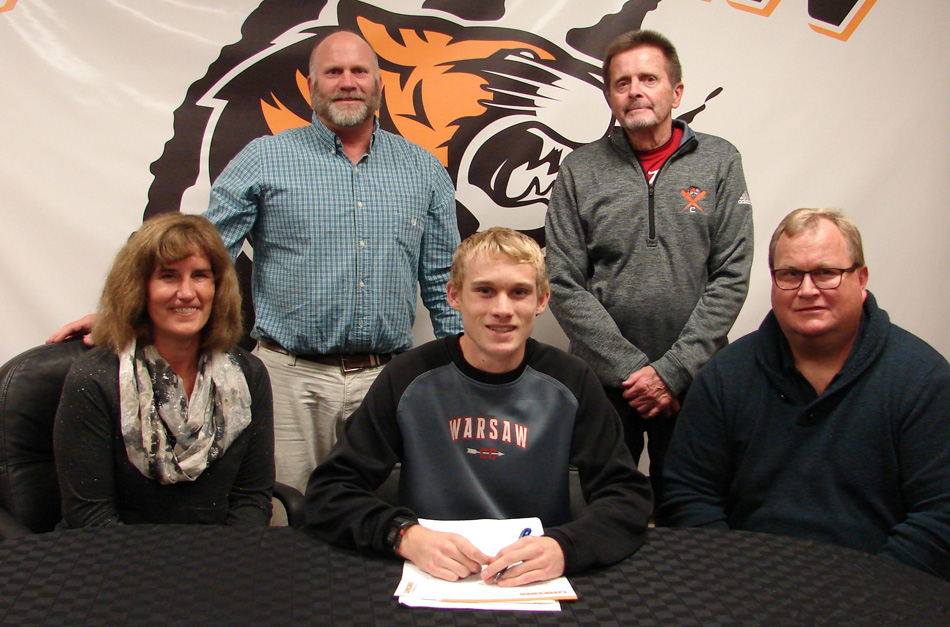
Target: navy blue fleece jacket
865,465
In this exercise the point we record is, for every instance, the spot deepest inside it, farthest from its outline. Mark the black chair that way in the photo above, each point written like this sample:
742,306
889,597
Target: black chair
30,386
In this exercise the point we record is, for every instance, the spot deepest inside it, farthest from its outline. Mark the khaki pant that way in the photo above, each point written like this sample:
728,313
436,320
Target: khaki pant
311,403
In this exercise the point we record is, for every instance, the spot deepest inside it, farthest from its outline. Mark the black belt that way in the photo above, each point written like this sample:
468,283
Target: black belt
347,362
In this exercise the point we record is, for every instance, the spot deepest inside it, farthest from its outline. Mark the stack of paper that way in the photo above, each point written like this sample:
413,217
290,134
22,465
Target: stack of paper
419,589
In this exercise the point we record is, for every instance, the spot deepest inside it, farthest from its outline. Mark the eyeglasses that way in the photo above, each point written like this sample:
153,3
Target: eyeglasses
823,278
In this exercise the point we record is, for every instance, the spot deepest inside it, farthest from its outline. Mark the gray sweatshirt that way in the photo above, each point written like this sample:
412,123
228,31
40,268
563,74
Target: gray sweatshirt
649,275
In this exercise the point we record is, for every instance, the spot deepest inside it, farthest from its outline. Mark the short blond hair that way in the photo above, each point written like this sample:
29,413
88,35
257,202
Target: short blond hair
500,241
162,240
801,219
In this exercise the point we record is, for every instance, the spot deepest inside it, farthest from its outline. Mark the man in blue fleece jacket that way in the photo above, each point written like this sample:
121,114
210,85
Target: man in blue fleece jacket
828,423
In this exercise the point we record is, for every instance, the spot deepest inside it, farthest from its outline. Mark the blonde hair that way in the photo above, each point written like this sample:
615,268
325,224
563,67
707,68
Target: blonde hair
163,240
801,219
500,241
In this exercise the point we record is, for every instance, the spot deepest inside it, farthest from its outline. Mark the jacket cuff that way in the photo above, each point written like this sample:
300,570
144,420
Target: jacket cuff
676,378
567,548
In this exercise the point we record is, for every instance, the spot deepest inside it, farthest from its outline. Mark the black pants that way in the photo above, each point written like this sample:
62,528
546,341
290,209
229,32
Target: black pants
659,433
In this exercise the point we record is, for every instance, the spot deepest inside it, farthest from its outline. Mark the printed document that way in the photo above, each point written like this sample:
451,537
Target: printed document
419,589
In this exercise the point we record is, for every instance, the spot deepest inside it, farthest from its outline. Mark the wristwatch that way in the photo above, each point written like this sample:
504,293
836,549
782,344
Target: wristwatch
397,529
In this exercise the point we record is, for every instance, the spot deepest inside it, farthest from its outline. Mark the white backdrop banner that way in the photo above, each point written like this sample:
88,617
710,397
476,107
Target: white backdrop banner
116,110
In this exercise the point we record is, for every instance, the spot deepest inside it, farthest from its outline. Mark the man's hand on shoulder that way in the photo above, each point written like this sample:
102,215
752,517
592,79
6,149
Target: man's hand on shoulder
646,392
447,556
77,327
529,560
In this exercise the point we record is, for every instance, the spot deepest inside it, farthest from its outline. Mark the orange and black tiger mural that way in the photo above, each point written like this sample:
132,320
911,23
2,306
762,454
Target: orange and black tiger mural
498,105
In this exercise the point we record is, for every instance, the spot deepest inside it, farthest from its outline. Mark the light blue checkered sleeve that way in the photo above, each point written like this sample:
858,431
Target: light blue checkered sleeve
439,242
235,197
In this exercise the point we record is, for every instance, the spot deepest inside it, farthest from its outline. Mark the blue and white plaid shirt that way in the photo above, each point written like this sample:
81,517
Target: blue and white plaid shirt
339,248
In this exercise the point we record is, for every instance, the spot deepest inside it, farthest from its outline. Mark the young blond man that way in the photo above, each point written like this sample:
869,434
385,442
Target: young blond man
486,425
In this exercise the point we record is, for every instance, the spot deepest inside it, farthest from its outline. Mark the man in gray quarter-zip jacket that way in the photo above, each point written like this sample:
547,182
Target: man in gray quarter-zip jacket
649,243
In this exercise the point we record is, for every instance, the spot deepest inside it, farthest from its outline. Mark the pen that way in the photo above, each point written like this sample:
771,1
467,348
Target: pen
524,532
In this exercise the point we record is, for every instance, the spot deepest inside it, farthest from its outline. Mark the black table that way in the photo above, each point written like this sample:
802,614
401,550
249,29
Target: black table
209,576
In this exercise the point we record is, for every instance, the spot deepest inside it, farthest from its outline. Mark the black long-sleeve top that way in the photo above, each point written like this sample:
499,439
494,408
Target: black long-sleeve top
100,486
479,445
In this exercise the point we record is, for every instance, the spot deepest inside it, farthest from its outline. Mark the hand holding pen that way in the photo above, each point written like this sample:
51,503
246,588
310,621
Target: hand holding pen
528,560
525,532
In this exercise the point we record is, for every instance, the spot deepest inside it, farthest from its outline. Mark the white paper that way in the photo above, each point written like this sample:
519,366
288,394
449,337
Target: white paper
518,606
419,589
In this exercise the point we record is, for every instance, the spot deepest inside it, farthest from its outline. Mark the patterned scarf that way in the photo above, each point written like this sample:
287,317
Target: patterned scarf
168,436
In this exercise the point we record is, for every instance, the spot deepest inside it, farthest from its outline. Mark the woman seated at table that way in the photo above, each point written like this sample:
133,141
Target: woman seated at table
167,421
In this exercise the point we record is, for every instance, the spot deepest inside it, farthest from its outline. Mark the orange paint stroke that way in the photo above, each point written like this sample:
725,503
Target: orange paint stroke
7,6
851,27
280,118
759,10
446,96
